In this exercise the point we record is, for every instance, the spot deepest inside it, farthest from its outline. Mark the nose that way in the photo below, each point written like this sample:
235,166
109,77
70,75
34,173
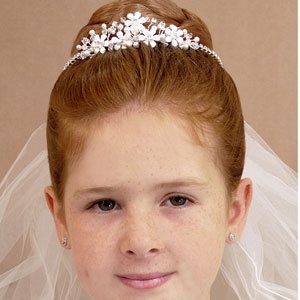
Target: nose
141,236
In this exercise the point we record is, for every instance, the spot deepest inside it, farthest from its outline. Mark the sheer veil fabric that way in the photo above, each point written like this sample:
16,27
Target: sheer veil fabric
262,265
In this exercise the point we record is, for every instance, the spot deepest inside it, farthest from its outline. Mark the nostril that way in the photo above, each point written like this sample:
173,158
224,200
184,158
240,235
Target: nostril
153,250
130,252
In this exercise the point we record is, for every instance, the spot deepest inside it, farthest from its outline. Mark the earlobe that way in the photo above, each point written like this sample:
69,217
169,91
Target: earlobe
57,211
238,210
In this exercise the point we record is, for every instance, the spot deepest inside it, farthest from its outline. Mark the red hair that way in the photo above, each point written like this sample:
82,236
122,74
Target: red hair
186,82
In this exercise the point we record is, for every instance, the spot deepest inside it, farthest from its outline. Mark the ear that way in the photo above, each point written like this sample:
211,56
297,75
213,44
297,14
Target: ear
239,207
57,210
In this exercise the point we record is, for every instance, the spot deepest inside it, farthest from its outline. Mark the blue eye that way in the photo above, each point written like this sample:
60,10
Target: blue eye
106,205
178,200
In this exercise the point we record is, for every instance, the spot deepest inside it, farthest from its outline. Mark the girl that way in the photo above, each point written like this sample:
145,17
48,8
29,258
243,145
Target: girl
146,150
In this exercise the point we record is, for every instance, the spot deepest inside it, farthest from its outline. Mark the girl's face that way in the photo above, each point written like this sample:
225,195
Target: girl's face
146,211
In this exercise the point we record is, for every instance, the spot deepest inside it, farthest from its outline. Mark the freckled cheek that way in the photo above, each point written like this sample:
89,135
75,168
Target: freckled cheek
201,238
202,234
92,247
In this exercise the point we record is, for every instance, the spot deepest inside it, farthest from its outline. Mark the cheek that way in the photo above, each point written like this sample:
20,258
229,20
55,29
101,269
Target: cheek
91,247
202,236
200,243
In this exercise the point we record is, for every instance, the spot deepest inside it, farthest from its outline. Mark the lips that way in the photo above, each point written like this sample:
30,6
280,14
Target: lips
144,281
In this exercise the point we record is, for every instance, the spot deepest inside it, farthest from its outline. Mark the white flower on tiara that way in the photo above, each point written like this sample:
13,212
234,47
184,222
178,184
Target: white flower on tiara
99,43
135,20
130,32
150,37
174,35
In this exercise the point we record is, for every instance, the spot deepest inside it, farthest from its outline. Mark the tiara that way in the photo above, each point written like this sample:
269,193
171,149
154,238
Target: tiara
131,32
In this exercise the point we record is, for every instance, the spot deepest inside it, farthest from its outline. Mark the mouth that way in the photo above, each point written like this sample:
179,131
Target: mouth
144,281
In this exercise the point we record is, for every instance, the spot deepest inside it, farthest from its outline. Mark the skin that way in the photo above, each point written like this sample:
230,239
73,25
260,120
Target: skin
146,211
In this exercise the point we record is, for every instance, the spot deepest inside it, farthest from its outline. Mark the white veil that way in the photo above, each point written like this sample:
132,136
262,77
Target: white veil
263,265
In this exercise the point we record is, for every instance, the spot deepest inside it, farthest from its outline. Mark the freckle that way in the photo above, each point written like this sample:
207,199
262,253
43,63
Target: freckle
86,273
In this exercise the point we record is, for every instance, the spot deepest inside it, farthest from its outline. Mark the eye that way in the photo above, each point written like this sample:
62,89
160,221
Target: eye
106,205
177,200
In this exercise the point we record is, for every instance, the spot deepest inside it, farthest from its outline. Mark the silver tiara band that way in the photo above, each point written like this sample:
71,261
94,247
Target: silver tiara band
131,32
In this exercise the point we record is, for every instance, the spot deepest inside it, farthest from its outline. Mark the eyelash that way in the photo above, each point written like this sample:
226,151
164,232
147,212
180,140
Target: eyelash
113,205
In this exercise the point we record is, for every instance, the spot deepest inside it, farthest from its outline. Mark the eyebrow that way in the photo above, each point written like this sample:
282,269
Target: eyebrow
186,182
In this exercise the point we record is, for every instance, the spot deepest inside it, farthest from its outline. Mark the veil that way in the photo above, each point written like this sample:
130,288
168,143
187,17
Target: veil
262,265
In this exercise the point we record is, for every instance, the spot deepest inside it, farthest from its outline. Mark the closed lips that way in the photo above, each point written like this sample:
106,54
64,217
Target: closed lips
145,281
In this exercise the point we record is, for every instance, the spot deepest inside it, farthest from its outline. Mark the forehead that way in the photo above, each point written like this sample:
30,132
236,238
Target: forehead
142,147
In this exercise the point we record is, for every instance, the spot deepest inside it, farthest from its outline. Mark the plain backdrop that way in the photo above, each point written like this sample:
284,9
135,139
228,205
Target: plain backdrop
256,39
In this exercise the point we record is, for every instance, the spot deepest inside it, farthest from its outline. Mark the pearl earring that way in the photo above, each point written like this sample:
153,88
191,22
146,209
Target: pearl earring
64,241
231,236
